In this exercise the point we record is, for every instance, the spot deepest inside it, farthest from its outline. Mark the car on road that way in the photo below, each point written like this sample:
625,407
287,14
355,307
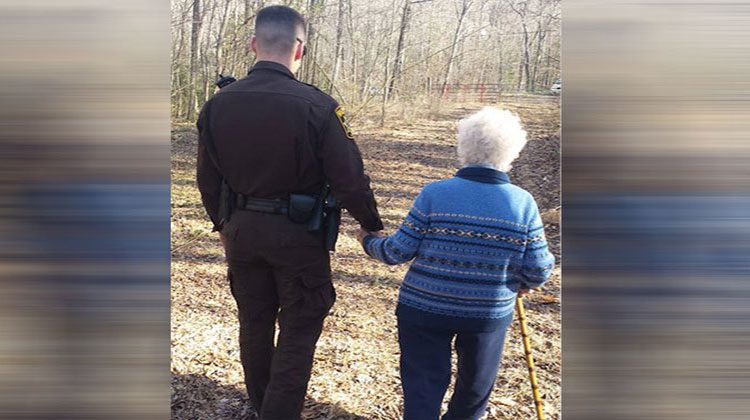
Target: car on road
556,87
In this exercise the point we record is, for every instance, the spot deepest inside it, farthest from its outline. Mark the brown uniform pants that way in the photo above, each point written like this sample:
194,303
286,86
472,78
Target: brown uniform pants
277,271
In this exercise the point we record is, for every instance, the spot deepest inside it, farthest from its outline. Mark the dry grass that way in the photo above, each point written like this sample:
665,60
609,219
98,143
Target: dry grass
356,364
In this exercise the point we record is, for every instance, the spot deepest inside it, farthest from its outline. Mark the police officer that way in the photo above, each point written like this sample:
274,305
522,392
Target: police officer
267,136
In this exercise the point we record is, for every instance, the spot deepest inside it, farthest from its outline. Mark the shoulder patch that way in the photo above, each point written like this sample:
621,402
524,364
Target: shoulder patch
342,119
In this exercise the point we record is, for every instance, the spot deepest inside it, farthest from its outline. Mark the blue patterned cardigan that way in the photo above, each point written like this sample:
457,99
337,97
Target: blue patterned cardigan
475,240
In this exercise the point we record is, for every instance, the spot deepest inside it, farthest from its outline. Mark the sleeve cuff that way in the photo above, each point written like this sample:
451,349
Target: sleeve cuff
366,243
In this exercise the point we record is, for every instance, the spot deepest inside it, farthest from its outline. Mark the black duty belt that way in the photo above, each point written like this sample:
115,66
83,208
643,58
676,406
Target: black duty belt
263,205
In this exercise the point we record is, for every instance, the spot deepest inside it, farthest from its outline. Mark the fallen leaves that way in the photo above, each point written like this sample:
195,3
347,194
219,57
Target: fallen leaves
355,375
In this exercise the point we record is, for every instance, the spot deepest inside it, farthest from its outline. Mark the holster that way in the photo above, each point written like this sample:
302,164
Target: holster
332,223
226,202
326,217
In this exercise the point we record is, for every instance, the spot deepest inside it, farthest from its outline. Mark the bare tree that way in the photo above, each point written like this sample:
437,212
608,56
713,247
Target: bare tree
521,9
364,50
308,69
398,61
337,53
220,38
191,108
465,5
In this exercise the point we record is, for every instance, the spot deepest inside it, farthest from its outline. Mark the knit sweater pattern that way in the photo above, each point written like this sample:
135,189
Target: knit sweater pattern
474,241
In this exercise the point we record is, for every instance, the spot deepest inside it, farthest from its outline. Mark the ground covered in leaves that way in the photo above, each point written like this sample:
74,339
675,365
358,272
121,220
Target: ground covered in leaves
356,364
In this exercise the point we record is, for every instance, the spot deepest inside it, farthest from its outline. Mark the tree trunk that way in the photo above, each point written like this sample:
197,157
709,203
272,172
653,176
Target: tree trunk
249,11
194,59
449,68
500,69
386,67
399,60
220,39
178,79
337,49
384,102
549,72
525,61
353,56
205,47
537,54
307,71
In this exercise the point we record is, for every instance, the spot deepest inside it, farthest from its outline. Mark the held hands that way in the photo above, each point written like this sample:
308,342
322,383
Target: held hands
362,233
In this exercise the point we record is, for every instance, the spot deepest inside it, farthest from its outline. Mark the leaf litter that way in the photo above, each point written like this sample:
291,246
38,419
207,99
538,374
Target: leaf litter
355,375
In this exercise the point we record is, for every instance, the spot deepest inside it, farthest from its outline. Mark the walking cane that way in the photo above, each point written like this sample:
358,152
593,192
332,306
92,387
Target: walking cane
529,358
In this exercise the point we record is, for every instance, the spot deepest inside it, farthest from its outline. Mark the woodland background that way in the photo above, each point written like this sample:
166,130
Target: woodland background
406,71
369,54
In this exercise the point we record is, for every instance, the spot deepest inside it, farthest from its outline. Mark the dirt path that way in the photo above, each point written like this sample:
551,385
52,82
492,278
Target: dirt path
356,363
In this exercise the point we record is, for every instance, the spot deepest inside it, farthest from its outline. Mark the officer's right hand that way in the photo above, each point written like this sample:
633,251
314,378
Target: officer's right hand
362,233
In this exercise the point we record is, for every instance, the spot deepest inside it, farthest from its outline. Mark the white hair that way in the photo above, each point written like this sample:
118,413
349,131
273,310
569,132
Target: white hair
490,137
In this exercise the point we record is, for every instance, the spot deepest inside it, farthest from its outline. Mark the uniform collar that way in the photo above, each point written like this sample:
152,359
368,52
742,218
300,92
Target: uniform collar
483,174
273,66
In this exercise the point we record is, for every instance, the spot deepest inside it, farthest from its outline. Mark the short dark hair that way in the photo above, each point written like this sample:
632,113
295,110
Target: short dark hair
276,28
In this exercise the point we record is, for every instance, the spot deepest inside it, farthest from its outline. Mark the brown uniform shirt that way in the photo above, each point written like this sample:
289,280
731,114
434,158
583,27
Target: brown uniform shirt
274,135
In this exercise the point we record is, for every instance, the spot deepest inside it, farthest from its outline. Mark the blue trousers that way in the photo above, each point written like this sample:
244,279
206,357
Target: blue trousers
426,370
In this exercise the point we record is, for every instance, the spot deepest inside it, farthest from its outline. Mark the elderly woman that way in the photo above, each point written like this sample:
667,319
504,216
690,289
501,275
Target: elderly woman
476,241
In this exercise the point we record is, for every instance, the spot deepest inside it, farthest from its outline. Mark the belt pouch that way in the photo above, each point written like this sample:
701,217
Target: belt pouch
301,207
